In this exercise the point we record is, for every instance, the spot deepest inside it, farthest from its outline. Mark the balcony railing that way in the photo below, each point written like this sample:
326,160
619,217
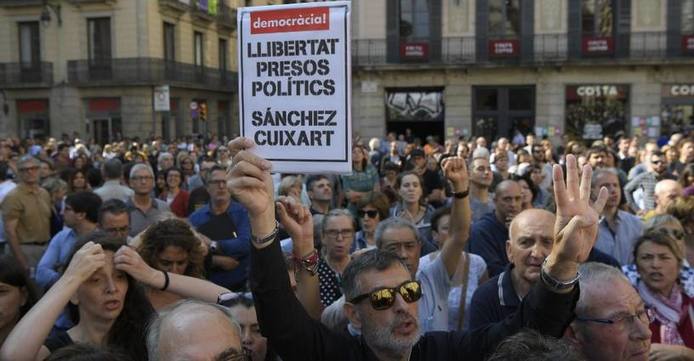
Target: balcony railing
19,75
644,47
226,16
148,71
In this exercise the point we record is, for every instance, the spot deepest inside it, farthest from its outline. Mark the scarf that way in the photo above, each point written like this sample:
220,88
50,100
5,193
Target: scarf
669,311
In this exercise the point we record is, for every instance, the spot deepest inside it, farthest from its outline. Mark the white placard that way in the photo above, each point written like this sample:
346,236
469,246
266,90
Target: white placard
295,85
161,99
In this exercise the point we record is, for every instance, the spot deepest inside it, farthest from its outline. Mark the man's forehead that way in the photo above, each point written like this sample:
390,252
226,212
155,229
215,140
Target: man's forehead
392,276
610,298
398,235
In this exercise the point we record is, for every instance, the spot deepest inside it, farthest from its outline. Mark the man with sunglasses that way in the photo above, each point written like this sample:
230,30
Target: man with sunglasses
382,296
645,182
26,213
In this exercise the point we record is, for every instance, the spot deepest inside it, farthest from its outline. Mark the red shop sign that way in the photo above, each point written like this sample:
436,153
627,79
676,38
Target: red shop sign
597,46
688,44
414,51
504,48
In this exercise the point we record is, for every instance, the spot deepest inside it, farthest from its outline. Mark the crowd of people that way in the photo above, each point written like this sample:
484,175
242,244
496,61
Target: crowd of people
196,250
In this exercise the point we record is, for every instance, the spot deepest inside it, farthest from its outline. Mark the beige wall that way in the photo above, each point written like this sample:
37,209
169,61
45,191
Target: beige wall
644,82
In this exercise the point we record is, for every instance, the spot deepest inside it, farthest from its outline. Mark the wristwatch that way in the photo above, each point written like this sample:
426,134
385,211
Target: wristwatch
554,284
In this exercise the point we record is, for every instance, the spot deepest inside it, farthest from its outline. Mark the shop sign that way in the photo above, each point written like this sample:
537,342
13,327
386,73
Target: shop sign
414,51
161,99
504,48
597,46
678,90
688,44
613,91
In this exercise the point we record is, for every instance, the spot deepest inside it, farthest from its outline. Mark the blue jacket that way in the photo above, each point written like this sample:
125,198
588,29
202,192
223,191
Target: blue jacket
238,247
488,239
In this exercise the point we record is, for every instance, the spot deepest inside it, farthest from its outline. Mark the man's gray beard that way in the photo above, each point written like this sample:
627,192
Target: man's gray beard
381,338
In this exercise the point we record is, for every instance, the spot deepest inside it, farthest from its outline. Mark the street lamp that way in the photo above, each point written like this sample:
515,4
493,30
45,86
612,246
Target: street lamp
46,14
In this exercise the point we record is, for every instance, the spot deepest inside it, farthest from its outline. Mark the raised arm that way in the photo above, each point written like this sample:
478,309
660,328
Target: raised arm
455,170
25,342
549,308
297,221
282,318
129,261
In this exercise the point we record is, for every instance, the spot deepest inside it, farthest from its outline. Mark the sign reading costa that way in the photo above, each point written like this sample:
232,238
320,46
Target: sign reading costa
290,20
295,85
678,90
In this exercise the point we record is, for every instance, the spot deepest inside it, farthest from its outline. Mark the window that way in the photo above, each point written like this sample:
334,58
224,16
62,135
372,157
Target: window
414,19
29,44
223,53
597,18
687,17
169,42
99,30
198,55
504,19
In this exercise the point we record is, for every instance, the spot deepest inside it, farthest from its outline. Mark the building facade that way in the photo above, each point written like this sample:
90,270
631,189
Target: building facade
576,68
102,68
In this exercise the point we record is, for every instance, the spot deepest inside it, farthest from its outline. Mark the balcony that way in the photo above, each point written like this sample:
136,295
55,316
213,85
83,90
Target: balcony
149,71
175,5
226,16
644,48
18,75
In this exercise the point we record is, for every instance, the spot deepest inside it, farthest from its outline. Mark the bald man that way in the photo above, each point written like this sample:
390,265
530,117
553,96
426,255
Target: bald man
489,234
531,240
193,331
665,192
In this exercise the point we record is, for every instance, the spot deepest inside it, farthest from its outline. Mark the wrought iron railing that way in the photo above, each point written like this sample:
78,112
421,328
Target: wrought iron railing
149,71
26,75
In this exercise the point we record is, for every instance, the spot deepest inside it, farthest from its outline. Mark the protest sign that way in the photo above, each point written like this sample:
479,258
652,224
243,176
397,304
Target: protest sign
295,85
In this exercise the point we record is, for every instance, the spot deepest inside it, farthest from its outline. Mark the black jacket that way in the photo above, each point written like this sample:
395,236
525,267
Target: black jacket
295,336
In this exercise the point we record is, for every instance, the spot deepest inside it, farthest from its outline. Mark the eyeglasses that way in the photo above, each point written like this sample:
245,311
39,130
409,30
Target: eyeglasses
334,233
384,298
643,316
370,214
141,178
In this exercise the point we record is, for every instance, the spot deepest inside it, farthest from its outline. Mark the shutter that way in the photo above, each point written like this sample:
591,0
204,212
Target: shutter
482,29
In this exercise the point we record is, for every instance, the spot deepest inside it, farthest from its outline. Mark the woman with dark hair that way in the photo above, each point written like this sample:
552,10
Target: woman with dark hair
363,180
174,195
17,295
107,304
686,179
255,346
370,212
412,206
170,245
77,181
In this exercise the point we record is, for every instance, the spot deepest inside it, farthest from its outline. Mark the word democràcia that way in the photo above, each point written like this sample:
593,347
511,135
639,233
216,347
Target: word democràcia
298,20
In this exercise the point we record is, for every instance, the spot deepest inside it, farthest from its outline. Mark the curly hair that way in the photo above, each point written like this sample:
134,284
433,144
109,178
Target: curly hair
172,232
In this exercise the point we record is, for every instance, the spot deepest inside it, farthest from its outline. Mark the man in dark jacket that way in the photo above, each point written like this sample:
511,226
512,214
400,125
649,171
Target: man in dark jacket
489,234
531,241
382,297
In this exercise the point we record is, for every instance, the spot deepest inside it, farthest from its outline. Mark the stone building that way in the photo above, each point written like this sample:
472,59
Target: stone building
95,67
581,68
